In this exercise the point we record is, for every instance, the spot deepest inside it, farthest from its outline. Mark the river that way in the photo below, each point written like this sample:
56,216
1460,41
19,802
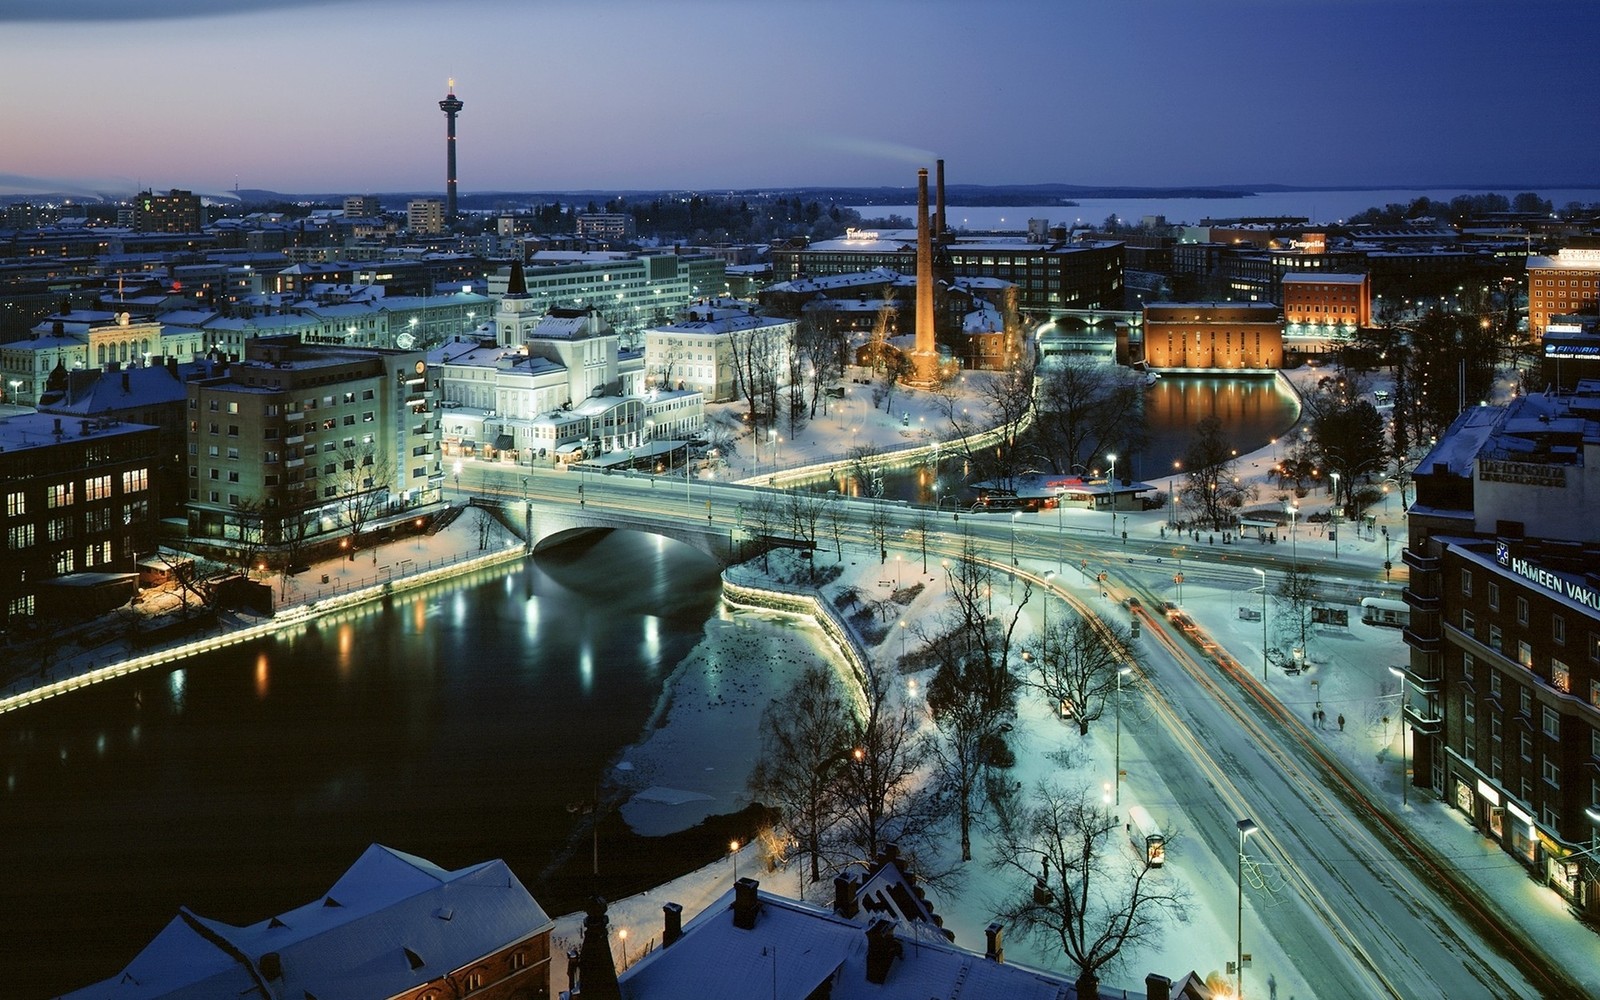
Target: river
458,724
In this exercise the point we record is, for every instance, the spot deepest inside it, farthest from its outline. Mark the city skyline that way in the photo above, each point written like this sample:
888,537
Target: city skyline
330,95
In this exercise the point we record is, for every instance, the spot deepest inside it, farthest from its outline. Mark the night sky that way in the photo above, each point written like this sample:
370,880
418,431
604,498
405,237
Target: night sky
322,96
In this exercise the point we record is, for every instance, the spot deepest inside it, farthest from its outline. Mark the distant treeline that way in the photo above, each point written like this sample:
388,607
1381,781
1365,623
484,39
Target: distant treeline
1464,207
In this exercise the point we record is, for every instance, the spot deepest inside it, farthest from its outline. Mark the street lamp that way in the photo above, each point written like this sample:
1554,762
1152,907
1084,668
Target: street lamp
772,436
1117,763
458,476
1403,768
1293,510
1112,482
1263,574
1246,828
1060,565
1335,523
733,852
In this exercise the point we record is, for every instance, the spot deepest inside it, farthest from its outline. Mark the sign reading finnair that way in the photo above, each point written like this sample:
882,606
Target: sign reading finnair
1570,589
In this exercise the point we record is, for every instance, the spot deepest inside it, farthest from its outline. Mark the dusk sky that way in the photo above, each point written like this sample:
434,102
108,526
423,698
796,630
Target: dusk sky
342,95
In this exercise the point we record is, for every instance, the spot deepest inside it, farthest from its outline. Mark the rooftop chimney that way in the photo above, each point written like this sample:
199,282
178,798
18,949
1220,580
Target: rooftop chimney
1157,987
672,913
993,948
882,949
597,971
745,903
844,896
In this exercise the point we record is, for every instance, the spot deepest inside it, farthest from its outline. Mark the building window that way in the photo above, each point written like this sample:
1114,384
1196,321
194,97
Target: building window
1552,773
1558,629
20,536
1552,723
1466,667
1494,594
1469,624
1522,611
16,504
1524,701
1466,583
1495,728
1560,676
1469,708
1494,638
1525,745
136,481
1524,654
59,495
1494,685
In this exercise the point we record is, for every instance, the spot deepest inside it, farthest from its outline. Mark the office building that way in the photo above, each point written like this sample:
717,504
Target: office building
1502,691
79,508
699,350
1213,336
1565,284
425,216
304,442
174,212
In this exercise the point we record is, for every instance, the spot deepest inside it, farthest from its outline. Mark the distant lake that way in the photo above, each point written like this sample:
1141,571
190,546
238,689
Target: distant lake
1321,207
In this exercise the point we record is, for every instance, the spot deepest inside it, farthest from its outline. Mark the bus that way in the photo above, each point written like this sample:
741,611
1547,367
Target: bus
1385,611
1146,836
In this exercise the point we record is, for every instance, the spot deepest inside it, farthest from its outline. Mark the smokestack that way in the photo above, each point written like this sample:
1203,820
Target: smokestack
672,930
994,949
882,946
844,896
1157,987
938,191
745,903
924,356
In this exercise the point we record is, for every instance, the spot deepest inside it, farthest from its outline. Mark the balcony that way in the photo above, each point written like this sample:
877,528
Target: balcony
1423,725
1422,643
1419,602
1418,562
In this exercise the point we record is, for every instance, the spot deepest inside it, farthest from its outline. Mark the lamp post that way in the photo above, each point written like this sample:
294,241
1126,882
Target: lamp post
1246,828
1060,565
1263,574
1403,766
622,935
733,852
1112,484
458,476
1117,763
1335,514
1293,510
772,438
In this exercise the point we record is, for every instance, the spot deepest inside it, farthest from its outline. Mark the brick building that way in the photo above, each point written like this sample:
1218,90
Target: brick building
1567,283
1228,336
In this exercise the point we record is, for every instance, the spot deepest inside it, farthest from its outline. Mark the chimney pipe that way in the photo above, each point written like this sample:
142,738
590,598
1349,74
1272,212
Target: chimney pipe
882,949
1157,987
745,903
994,949
673,929
938,191
844,896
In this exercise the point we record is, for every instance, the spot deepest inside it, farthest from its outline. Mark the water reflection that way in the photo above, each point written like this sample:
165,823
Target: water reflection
450,725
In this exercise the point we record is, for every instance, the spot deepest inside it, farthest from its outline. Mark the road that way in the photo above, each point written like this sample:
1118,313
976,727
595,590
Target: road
1361,911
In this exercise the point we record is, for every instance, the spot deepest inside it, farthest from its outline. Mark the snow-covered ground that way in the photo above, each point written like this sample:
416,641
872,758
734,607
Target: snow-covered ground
1347,675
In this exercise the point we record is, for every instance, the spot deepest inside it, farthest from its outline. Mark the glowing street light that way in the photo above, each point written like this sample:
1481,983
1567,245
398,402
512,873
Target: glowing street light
1263,574
1117,765
1112,482
1246,826
1403,767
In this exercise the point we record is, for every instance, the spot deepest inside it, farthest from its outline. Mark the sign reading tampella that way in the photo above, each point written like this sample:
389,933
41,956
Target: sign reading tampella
1570,589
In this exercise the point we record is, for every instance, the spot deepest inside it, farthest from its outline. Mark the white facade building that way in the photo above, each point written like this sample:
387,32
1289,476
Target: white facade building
698,350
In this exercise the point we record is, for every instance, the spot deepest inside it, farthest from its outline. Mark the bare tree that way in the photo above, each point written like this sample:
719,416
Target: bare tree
882,799
1292,603
1074,663
755,361
1086,410
822,352
1003,402
760,516
248,518
362,480
805,742
1212,489
291,529
1076,886
973,694
836,514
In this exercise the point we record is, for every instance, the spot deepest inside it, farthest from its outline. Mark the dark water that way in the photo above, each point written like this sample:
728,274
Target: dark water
457,724
1254,411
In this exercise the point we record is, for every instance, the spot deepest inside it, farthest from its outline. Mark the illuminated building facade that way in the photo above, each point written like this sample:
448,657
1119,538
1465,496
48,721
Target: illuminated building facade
1227,336
1327,302
1564,284
1502,690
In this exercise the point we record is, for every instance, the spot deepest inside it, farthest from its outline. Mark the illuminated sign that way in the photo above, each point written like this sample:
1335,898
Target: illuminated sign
1570,350
1575,256
860,235
1570,589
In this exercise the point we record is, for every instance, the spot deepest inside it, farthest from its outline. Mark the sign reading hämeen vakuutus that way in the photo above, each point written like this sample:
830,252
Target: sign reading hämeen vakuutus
1571,589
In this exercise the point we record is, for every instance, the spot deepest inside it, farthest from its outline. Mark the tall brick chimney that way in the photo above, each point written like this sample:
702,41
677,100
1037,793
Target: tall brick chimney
745,903
994,948
925,355
672,928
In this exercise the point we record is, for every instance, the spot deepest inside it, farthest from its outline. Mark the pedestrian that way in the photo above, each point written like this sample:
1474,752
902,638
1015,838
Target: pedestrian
1341,723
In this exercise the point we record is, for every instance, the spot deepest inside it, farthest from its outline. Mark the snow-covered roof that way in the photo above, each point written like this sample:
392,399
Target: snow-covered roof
1324,277
834,282
351,943
797,947
111,392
